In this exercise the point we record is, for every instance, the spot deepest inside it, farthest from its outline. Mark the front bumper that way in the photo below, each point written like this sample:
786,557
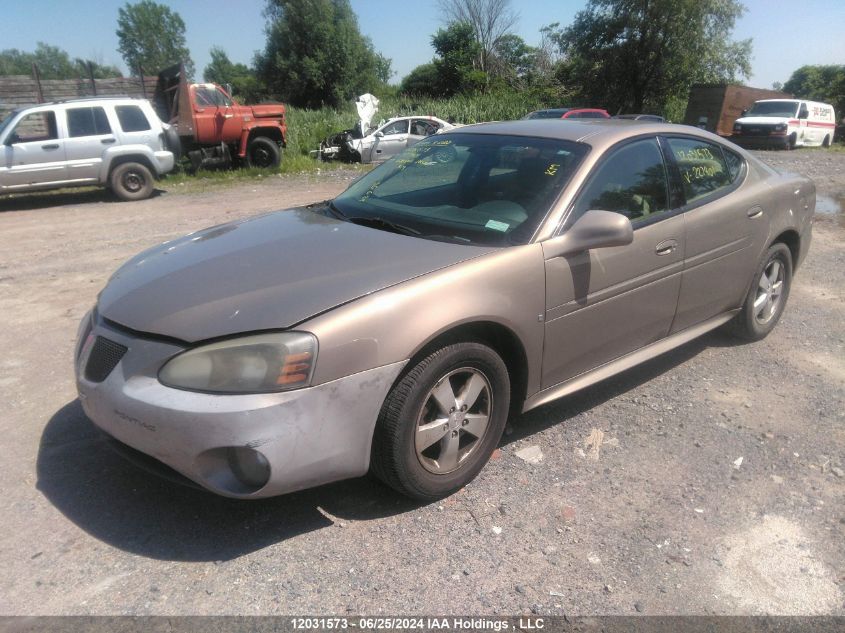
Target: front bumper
760,142
309,436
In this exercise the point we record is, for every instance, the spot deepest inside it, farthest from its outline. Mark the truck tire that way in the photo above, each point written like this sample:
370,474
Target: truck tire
263,152
826,141
131,181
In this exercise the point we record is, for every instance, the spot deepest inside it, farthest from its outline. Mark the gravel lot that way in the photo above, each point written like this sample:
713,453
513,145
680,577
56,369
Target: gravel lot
718,485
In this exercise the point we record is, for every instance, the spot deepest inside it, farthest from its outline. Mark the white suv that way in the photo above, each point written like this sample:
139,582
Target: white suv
118,142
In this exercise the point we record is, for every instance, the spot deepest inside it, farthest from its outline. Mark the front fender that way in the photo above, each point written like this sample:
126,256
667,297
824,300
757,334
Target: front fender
506,286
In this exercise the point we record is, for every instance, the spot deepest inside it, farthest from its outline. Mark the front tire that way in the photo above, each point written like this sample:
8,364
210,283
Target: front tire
767,297
441,421
264,153
131,181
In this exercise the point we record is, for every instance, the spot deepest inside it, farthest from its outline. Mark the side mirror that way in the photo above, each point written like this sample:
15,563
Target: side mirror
803,113
12,139
744,112
379,134
594,229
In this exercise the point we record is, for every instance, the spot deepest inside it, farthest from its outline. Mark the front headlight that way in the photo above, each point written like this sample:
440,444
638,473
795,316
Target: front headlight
261,363
780,127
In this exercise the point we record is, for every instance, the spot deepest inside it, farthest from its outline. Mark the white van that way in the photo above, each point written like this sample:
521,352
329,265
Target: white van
785,123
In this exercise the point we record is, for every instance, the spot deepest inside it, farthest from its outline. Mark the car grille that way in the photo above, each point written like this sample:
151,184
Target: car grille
104,357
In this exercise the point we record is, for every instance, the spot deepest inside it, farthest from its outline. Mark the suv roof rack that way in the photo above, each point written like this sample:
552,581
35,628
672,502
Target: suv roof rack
83,99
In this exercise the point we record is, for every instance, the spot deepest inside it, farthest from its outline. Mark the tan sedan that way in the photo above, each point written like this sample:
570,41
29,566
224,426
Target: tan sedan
481,273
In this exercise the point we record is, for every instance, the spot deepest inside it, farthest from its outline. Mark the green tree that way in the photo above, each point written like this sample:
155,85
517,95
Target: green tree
424,80
457,51
819,83
221,70
52,62
152,36
637,55
490,21
315,54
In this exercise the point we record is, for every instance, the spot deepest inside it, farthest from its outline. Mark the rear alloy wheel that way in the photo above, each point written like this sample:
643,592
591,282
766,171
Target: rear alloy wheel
263,152
131,181
440,423
767,297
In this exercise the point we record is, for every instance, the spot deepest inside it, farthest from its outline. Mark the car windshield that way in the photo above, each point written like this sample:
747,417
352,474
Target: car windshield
547,114
466,188
773,108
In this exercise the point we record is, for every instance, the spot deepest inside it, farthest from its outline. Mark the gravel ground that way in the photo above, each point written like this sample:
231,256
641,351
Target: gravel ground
709,480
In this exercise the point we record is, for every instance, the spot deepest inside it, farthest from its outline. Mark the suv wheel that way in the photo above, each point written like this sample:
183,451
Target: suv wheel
131,181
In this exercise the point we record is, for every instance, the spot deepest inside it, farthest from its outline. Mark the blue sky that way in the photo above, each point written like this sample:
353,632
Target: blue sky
402,30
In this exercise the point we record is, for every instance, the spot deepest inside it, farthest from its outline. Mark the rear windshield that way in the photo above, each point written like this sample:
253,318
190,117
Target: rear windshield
773,108
467,188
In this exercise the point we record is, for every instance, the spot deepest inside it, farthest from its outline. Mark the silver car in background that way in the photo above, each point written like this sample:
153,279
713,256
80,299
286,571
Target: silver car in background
481,273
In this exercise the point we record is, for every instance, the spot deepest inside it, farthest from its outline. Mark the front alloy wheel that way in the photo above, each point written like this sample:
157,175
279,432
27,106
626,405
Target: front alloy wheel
453,420
441,421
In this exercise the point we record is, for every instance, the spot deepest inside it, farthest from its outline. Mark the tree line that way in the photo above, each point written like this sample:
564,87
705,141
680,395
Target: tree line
622,55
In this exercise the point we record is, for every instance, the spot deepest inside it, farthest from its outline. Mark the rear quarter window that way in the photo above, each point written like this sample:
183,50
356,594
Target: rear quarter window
132,118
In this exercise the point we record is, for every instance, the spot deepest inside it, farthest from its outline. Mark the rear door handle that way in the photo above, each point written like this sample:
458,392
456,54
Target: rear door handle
106,141
665,247
51,146
756,212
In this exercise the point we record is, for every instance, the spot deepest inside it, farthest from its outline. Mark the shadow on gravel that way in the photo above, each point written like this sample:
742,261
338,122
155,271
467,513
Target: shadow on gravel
128,508
52,199
135,511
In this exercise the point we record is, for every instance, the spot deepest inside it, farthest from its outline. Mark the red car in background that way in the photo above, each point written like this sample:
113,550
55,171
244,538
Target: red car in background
568,113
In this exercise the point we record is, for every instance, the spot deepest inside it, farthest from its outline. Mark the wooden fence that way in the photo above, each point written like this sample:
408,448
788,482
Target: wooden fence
22,90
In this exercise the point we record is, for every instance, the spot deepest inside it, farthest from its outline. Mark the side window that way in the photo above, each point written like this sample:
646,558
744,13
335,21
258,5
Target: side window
702,166
397,127
734,162
632,181
87,122
132,118
421,127
34,127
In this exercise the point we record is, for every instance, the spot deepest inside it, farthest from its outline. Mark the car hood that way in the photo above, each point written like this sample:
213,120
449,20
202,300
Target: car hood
764,120
268,272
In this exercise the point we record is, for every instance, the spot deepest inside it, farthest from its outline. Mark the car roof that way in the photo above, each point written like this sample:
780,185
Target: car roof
599,132
81,100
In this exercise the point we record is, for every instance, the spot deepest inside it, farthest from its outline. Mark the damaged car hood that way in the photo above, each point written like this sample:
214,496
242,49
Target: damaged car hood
268,272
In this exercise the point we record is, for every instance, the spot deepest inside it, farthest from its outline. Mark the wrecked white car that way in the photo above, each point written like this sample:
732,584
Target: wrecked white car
367,143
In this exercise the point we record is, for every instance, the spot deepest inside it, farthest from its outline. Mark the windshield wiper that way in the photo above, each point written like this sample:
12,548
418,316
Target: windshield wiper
381,223
332,207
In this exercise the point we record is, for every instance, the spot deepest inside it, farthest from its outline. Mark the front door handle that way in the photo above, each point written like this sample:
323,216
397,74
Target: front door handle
51,146
665,247
106,141
756,212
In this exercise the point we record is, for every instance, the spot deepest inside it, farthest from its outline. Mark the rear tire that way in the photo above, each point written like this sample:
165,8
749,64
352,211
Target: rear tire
264,153
131,181
767,296
440,423
826,141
